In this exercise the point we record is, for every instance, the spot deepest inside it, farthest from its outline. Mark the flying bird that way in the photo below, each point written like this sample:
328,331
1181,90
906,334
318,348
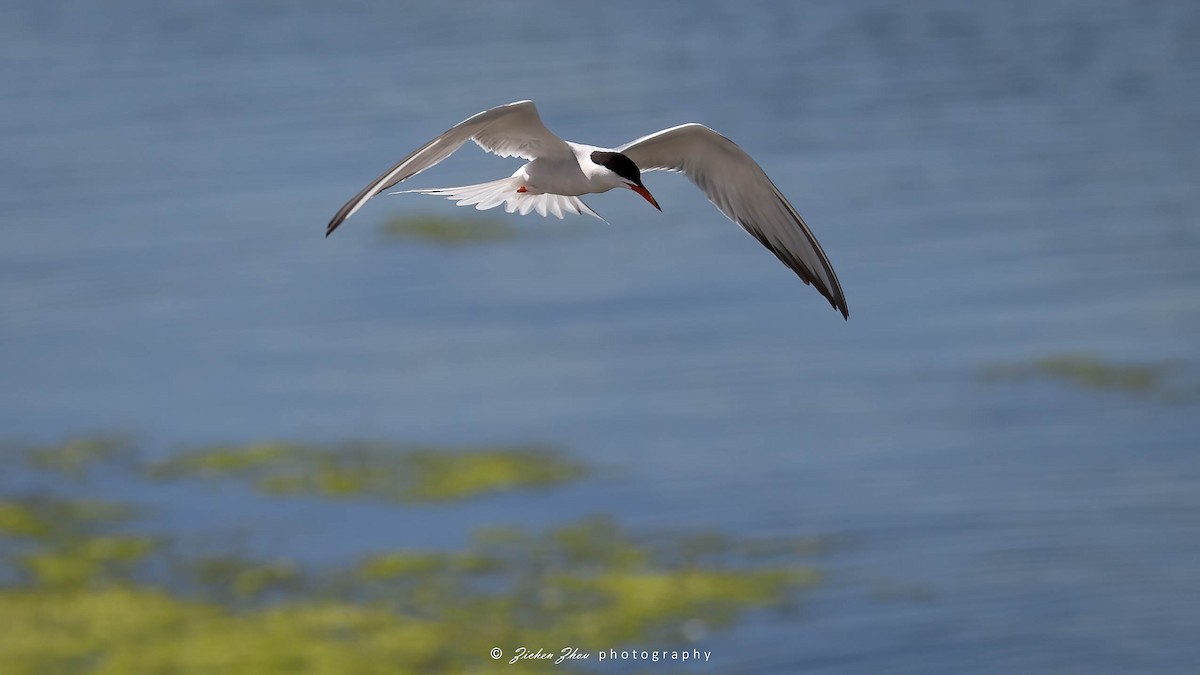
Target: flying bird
559,172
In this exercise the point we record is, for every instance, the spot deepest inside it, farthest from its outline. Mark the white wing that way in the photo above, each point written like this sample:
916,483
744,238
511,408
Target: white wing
508,130
737,185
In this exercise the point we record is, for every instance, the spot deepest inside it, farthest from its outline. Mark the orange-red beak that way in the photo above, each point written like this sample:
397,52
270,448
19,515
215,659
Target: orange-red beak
641,190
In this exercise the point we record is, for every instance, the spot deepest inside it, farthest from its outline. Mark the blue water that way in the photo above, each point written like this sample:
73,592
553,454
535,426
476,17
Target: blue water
993,183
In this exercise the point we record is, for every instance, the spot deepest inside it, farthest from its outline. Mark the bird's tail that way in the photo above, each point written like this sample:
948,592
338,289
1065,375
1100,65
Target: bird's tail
504,191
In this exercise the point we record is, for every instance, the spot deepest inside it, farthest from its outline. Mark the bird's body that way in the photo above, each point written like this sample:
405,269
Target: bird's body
573,176
559,172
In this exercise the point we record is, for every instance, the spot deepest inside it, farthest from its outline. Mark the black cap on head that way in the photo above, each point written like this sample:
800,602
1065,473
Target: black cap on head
618,164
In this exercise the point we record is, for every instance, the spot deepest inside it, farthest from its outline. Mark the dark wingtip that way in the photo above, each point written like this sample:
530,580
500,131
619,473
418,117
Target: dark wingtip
342,214
333,225
838,302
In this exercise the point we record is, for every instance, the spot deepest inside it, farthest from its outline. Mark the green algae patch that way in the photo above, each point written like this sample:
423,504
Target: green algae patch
387,566
446,231
393,611
1089,371
234,579
80,594
225,460
599,542
87,561
74,457
623,607
396,472
457,475
141,630
22,520
591,583
47,518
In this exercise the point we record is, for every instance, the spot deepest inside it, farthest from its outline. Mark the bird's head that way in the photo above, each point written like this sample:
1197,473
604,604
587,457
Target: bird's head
624,173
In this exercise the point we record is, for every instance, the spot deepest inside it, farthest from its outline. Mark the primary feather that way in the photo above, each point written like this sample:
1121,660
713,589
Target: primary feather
738,186
508,130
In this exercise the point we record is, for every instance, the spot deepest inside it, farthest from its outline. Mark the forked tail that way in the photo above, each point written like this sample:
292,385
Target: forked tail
504,191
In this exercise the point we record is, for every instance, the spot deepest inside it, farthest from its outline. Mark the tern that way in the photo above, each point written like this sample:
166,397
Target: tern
559,172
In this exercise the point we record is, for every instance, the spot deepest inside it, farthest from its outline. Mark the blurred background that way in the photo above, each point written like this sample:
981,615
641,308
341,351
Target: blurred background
235,446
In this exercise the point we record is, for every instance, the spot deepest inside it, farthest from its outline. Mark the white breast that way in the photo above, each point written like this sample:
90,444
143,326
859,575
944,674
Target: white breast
572,176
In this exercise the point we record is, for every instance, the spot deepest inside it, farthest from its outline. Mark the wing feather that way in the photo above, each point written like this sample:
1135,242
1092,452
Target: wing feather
509,130
494,193
741,190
